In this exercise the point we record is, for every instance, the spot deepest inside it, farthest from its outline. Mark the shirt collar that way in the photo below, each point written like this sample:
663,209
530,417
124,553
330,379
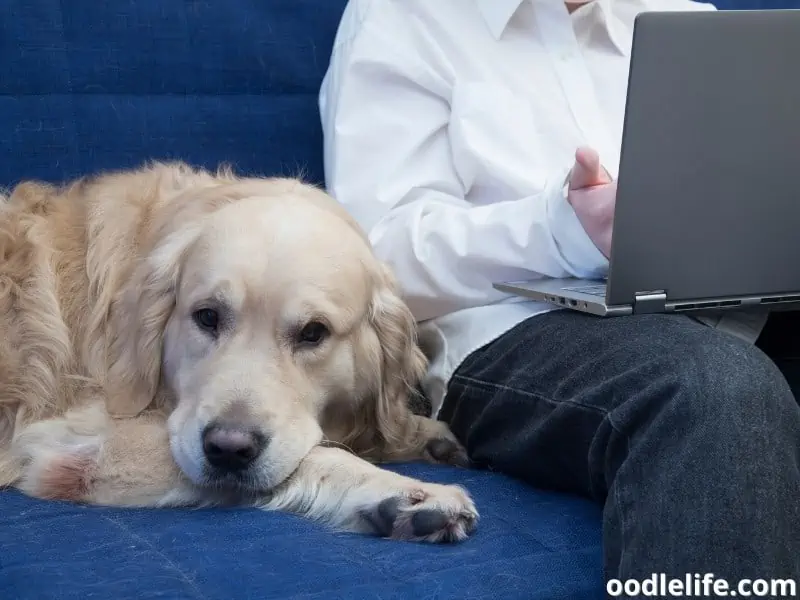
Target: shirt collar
498,13
615,28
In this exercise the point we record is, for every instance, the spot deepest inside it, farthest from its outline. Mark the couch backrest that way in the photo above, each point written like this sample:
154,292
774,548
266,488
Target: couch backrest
99,85
104,85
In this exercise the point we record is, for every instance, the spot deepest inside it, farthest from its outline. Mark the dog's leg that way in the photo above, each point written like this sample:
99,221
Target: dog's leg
348,493
439,445
87,457
426,440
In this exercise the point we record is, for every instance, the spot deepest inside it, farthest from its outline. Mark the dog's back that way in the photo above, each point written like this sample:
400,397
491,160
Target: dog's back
41,289
63,252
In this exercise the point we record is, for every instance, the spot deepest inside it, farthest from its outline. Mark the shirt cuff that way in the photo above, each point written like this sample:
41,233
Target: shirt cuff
577,251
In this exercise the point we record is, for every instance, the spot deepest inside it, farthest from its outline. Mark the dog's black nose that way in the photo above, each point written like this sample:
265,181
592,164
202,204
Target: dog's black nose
230,447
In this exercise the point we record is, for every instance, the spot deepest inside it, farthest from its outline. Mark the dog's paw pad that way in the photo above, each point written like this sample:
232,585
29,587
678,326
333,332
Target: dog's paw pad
386,514
446,451
445,515
428,521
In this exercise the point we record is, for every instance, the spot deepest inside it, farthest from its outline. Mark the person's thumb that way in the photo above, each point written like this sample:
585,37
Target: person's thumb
587,171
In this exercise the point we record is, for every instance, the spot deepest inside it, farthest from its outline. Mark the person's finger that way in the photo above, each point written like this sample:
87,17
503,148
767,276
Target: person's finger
587,170
588,158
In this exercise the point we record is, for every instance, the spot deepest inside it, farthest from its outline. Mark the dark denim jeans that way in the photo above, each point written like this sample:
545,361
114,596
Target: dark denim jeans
688,436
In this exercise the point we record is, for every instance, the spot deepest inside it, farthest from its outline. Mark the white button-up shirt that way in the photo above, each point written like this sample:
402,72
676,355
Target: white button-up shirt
450,127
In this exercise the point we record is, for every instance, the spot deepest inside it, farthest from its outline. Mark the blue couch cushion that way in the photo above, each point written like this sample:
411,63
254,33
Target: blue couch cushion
528,545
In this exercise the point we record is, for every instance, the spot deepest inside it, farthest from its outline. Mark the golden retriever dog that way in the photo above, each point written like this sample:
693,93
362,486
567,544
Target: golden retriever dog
176,337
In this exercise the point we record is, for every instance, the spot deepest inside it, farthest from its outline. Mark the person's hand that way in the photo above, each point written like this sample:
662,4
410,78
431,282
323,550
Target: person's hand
593,195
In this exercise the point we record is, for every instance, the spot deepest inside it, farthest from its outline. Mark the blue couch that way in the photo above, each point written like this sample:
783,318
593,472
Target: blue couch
87,86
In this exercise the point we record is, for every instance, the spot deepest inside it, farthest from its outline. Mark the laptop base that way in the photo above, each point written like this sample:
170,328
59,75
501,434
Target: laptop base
589,296
583,295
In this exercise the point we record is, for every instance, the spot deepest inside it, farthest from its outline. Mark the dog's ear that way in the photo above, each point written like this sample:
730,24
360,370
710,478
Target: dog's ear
402,366
138,319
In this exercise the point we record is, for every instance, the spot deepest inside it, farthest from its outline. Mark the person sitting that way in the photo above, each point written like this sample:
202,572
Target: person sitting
478,141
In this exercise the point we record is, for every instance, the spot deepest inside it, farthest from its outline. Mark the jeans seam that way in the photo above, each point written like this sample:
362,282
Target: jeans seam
618,490
620,498
499,386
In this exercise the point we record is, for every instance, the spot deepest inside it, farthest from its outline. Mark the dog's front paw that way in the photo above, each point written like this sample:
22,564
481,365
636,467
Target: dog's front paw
426,513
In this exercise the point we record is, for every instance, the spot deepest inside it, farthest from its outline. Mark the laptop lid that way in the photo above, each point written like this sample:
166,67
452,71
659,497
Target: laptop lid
708,203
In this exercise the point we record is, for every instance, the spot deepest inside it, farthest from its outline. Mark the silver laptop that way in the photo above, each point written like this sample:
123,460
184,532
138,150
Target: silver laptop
708,200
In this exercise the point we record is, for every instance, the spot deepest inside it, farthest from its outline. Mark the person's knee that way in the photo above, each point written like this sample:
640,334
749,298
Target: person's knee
730,379
718,384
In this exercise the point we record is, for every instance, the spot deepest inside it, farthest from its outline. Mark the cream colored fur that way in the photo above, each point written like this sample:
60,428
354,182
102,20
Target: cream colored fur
107,382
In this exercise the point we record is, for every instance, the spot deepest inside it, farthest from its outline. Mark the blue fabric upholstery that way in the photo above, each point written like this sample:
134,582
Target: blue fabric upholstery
88,86
529,545
125,81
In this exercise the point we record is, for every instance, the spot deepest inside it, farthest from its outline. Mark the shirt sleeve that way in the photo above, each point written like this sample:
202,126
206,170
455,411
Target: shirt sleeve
389,162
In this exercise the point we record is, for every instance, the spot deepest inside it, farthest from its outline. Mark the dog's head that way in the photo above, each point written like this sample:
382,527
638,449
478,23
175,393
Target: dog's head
262,316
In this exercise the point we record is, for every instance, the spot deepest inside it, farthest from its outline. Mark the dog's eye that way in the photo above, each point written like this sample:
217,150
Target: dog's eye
207,319
312,334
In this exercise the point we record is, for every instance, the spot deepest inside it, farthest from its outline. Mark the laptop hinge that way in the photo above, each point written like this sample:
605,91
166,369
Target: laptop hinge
650,302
